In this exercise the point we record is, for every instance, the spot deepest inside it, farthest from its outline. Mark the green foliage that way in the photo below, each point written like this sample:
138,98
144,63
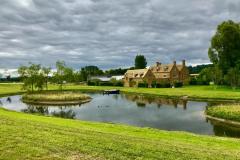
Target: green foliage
197,69
177,84
118,71
224,51
161,84
142,85
63,75
233,77
112,82
32,77
140,62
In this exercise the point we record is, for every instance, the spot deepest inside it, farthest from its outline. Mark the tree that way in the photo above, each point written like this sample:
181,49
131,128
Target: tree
31,76
233,76
59,75
46,71
140,62
225,46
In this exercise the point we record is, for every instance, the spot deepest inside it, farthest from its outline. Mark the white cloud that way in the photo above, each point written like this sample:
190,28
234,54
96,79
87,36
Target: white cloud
109,33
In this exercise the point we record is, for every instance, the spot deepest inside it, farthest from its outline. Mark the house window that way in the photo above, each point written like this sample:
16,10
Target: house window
165,68
164,76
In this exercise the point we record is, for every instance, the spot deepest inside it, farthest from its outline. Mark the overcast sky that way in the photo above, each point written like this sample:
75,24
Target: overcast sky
109,33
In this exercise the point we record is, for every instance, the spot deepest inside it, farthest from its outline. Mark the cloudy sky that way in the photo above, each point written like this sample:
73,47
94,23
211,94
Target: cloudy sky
109,33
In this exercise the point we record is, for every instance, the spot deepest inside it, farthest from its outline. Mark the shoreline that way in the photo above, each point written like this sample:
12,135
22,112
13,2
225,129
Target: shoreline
222,120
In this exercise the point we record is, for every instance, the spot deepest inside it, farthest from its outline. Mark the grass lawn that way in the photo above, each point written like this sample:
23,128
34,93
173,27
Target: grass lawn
25,136
194,92
229,112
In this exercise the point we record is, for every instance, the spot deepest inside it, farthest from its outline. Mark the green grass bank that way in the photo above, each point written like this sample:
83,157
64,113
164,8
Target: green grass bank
228,112
25,136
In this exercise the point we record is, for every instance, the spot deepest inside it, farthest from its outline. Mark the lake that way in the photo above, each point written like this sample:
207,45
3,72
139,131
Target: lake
136,110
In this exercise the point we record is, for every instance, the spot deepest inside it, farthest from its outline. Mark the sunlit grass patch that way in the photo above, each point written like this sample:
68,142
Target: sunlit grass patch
229,112
55,96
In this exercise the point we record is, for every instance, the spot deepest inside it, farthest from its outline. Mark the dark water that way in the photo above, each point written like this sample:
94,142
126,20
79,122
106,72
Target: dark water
137,110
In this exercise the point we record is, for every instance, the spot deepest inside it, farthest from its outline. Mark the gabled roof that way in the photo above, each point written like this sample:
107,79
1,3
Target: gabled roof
180,67
136,73
162,68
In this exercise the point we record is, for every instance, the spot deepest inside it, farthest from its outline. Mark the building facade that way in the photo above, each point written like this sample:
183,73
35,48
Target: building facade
133,77
159,73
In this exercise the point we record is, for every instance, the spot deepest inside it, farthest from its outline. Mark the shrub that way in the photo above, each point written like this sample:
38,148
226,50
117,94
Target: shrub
118,83
193,81
142,85
91,83
105,84
177,84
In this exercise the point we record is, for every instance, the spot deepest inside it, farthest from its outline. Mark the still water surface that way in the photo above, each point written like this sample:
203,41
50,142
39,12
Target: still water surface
137,110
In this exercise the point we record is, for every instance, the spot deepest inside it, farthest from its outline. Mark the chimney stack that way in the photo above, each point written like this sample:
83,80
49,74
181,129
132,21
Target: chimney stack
158,64
174,62
183,62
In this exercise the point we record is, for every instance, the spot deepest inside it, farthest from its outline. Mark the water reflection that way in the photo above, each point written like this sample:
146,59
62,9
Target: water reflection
143,101
9,100
36,109
60,111
226,130
137,110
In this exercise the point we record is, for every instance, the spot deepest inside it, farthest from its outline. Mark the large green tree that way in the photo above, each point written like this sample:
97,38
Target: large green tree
31,76
140,62
224,51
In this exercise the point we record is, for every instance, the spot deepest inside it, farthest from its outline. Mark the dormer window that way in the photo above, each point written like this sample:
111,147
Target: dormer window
166,68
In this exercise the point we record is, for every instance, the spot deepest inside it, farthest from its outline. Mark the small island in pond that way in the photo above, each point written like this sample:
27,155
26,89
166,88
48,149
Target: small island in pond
56,98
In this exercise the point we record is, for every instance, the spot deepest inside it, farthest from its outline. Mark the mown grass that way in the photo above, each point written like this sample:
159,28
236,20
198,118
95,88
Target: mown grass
25,136
193,92
229,112
55,96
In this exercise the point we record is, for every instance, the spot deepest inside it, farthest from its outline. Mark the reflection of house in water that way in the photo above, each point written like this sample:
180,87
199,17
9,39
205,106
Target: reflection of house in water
142,101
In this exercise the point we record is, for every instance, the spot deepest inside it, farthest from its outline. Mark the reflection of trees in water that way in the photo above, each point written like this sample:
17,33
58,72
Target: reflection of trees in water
9,100
70,114
139,104
142,101
44,110
221,129
36,109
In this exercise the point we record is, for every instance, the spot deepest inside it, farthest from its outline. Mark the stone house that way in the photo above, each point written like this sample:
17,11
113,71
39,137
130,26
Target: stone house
159,72
133,77
170,72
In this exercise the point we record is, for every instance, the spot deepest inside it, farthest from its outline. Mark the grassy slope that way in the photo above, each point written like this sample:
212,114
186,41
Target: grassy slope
230,112
25,136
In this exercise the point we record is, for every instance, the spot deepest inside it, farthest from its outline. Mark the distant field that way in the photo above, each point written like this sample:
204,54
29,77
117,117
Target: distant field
25,136
199,92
